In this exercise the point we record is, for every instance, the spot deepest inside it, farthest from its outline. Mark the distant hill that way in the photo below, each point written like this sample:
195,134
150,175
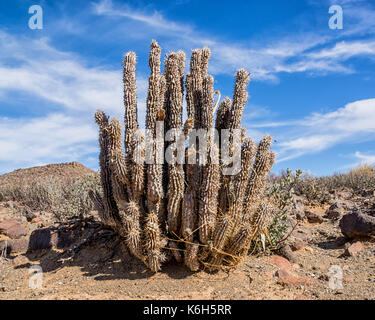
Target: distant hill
60,172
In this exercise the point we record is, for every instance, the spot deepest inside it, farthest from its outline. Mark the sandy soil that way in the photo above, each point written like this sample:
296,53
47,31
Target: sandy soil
98,272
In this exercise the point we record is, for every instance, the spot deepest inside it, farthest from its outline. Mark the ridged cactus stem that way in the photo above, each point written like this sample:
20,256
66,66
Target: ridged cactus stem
174,122
222,116
240,97
189,219
209,197
155,112
132,229
117,162
195,86
259,222
130,104
248,151
210,176
108,200
228,221
152,242
264,160
232,119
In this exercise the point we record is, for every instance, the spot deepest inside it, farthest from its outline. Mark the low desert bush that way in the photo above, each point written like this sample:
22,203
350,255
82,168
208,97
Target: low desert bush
319,189
360,179
63,199
315,189
280,193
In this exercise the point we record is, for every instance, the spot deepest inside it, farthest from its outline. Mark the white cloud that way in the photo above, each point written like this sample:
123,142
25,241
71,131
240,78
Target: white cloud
308,52
35,67
361,159
355,117
354,122
59,77
154,20
344,50
364,159
54,138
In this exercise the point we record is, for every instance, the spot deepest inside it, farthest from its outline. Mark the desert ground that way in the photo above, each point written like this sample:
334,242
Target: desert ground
82,259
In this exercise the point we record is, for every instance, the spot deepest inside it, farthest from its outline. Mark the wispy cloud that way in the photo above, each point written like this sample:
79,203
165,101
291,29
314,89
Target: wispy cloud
61,78
364,159
154,20
36,67
360,160
354,122
55,137
344,50
310,52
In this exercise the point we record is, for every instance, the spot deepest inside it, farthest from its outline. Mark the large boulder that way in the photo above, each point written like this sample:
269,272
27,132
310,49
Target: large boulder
357,224
46,238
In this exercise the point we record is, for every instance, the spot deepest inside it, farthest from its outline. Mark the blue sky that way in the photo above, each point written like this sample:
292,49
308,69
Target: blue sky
311,87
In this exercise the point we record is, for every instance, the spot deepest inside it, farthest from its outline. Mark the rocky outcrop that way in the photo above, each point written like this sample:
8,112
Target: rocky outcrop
357,224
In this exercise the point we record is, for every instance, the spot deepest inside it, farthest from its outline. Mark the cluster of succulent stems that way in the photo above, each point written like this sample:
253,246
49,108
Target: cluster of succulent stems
176,194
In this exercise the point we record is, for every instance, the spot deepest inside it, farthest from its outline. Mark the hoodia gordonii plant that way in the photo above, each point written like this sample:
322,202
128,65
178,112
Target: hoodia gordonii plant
197,209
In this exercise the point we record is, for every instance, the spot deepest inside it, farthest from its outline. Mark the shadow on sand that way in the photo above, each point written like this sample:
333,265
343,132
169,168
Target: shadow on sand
97,250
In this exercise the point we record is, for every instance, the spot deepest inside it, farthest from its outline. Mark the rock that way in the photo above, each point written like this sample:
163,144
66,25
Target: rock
28,214
302,233
357,224
287,253
13,228
282,274
46,238
300,215
354,249
297,244
43,239
14,245
37,219
309,249
335,211
313,217
19,260
325,233
296,281
281,262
